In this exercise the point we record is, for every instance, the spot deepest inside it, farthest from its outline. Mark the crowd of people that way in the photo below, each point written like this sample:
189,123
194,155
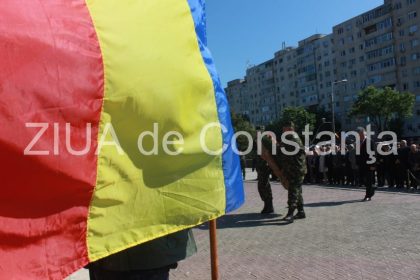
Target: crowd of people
331,165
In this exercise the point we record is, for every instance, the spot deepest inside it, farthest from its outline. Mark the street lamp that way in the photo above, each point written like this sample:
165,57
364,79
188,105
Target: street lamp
332,101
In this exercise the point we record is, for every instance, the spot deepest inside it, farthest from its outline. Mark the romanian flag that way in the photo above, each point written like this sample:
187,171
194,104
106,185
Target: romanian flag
85,86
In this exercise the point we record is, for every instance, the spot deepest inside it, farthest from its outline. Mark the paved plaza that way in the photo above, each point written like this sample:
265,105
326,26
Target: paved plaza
342,238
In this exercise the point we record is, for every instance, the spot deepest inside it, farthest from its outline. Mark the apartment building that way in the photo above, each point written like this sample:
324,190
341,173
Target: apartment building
284,71
406,32
380,47
238,96
258,87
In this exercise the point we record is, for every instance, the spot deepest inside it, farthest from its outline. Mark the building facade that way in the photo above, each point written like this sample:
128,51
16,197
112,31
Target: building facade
380,47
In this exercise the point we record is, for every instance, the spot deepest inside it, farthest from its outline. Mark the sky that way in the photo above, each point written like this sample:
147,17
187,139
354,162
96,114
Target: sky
248,32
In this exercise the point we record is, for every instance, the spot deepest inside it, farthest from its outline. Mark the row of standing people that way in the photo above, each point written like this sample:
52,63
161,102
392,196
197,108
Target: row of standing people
332,166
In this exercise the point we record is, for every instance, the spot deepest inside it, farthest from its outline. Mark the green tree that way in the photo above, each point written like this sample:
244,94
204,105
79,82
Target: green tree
323,119
383,106
298,115
241,123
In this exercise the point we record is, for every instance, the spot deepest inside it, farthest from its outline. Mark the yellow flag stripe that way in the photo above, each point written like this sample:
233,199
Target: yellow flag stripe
154,73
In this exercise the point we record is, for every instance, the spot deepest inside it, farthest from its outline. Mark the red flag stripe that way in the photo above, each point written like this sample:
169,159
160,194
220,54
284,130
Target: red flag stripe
51,71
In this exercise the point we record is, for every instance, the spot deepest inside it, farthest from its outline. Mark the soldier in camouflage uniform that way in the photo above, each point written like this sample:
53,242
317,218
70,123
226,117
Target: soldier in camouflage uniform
294,169
264,187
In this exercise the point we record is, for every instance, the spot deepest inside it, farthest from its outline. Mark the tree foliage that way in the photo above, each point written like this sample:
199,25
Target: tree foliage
383,106
241,123
298,115
323,119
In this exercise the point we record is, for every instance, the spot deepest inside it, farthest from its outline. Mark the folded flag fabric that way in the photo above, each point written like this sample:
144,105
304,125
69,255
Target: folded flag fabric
80,82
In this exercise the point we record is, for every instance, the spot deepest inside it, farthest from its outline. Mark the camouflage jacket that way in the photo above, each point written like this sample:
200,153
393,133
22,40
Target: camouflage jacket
292,164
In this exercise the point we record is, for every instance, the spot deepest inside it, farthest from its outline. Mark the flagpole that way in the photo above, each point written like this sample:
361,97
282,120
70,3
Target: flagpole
213,250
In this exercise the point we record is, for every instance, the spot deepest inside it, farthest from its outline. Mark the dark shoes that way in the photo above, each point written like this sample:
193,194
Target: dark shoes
268,208
366,199
289,217
300,215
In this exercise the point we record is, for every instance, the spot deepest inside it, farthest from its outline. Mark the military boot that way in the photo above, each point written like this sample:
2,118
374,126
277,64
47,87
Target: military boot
289,217
300,214
268,207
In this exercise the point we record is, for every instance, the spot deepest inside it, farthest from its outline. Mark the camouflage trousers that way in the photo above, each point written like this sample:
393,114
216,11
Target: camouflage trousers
295,198
264,187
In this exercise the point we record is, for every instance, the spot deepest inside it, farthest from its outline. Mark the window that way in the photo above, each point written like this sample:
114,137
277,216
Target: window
384,24
415,43
375,79
416,71
417,84
381,65
378,12
412,15
412,29
380,52
401,32
410,2
415,56
402,47
379,39
370,29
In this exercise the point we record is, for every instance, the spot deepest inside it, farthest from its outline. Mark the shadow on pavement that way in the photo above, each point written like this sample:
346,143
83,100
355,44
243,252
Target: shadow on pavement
331,203
247,220
384,189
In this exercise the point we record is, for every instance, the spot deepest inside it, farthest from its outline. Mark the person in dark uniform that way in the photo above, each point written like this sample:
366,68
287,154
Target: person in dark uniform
243,166
402,165
348,169
380,173
149,261
293,166
414,168
366,166
389,167
353,165
338,161
330,166
264,187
